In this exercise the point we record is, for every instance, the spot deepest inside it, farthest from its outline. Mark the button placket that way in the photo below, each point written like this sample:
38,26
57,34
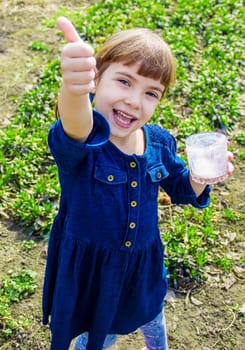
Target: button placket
134,188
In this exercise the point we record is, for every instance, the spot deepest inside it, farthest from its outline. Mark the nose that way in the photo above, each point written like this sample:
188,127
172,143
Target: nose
133,99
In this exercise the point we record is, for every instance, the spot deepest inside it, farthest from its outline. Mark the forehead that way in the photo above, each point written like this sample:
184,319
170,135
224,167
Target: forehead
132,72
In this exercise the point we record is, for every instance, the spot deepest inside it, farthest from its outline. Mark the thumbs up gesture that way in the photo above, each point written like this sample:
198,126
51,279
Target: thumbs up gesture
77,61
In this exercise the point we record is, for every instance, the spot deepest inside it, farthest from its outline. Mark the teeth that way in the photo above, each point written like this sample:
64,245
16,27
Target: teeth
124,115
123,120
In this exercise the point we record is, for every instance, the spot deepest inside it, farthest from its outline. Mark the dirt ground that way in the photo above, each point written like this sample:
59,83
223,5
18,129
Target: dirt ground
205,318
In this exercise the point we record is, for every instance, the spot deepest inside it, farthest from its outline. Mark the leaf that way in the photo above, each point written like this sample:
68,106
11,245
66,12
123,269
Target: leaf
242,309
195,301
228,283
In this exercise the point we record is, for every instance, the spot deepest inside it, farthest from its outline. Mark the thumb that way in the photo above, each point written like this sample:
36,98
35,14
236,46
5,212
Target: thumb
68,29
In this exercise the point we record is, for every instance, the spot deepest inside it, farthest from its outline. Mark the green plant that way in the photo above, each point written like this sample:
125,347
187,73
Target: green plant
189,239
14,288
205,96
242,155
38,46
206,38
28,245
28,173
225,263
229,214
19,285
241,137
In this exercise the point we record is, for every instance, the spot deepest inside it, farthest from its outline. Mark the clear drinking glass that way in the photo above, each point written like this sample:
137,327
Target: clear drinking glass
207,157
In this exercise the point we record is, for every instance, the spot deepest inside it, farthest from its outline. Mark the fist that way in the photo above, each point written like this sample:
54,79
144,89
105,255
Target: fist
78,64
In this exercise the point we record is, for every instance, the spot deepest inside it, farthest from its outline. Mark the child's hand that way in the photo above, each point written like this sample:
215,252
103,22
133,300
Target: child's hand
198,188
230,166
77,61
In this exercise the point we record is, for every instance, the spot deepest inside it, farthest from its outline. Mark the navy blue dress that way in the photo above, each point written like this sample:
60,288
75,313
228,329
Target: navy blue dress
105,271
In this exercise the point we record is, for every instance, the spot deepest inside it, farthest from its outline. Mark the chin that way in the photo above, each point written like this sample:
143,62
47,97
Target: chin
120,134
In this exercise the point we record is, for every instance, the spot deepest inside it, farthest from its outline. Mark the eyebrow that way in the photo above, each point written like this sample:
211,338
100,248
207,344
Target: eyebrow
132,78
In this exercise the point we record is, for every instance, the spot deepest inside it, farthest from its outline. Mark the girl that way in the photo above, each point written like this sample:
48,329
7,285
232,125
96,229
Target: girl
105,272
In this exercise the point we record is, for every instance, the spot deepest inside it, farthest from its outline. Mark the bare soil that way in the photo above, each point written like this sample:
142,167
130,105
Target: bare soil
205,318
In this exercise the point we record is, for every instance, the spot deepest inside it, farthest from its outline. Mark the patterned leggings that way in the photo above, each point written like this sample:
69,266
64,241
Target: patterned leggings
154,333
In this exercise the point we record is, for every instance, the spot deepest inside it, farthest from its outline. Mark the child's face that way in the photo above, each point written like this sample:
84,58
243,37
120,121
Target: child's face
126,98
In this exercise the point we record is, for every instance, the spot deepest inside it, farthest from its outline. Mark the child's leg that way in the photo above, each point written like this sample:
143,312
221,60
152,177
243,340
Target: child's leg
155,333
82,340
109,341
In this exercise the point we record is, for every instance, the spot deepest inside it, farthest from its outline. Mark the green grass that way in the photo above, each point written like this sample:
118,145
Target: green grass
207,39
241,137
14,287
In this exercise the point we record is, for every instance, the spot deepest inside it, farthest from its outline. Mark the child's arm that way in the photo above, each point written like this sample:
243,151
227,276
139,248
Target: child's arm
197,188
78,73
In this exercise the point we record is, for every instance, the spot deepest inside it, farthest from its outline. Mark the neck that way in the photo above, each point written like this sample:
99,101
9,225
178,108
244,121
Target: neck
133,144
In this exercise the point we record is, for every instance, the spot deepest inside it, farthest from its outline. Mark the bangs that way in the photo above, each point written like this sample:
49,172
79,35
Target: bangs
143,47
151,66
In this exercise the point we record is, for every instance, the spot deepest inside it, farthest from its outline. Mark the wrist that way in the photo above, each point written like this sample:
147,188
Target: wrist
197,187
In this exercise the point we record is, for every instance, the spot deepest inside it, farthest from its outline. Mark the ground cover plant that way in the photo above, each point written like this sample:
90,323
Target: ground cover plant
207,38
15,287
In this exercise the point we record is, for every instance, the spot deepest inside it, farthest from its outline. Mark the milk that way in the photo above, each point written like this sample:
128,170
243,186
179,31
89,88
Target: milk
207,157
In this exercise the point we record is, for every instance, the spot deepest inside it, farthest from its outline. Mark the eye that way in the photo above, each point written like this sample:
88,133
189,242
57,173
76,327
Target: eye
153,94
124,82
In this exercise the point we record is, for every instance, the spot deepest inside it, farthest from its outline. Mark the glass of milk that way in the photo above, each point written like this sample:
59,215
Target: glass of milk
207,157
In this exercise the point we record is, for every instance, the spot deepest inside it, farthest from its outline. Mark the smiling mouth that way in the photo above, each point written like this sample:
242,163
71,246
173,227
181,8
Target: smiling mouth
123,119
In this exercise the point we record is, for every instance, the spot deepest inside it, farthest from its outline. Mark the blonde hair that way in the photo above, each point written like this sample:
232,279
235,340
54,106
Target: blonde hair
142,46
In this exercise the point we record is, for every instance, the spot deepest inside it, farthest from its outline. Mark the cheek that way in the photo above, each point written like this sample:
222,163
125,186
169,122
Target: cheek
150,109
105,99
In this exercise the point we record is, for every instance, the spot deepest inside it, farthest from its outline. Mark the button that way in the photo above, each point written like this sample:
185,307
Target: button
133,164
133,204
134,184
132,224
110,178
128,244
159,175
